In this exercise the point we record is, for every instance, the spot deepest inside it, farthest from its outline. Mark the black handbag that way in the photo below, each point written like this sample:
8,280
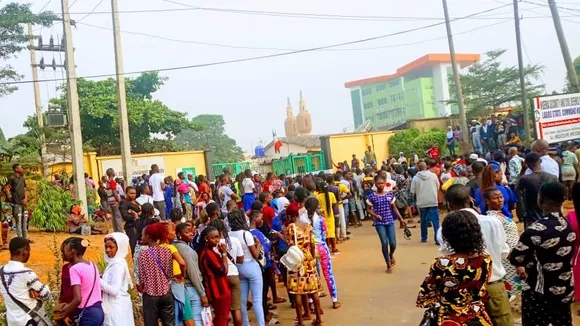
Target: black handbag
429,317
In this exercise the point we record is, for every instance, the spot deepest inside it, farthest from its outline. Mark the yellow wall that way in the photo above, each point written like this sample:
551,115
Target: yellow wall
425,125
342,146
172,161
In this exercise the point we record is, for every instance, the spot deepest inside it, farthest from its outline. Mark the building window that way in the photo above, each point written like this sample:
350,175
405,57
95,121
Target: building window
394,83
381,87
382,101
368,105
367,91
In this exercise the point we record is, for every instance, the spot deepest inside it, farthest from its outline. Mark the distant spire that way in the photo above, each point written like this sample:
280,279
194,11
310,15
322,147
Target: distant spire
302,103
288,100
289,112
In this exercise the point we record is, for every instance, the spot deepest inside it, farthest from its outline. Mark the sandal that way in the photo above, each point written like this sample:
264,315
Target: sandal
280,300
317,323
272,307
336,305
322,295
304,318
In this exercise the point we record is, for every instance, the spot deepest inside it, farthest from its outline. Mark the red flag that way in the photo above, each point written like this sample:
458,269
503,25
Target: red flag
277,146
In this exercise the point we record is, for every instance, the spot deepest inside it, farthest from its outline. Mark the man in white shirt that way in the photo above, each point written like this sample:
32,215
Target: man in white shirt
157,185
495,240
225,193
549,165
23,293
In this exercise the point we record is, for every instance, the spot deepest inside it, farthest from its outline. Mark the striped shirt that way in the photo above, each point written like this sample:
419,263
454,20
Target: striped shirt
215,279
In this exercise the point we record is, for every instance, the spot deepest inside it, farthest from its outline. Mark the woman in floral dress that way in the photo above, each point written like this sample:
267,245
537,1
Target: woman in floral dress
456,285
494,202
305,282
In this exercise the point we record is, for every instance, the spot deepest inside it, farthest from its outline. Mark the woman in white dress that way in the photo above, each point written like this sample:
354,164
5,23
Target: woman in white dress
116,282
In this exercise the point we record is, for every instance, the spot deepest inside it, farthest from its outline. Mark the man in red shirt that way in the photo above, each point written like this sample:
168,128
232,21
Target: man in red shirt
268,212
433,152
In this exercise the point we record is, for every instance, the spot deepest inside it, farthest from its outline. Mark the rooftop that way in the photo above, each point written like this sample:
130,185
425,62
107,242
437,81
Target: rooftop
310,141
463,60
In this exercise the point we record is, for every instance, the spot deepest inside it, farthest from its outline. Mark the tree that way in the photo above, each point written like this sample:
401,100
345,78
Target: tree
568,88
150,121
211,135
13,38
489,86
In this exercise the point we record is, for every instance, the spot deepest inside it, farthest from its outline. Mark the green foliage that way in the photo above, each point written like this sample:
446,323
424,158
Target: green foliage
568,88
147,117
401,140
424,141
52,208
54,278
210,134
14,37
487,85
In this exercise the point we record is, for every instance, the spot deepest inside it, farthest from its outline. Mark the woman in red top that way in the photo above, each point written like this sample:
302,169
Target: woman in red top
215,275
204,185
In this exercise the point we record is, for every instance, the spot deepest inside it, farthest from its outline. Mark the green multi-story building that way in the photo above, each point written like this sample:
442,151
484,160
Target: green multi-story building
417,90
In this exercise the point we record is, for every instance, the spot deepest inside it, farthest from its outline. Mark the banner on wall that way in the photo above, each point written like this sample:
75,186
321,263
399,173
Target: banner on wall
557,117
186,171
140,166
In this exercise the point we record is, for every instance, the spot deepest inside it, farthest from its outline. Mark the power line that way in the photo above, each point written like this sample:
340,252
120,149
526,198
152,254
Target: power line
291,49
279,14
45,5
269,55
90,12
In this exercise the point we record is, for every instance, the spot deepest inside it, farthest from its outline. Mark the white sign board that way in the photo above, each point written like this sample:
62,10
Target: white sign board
557,117
140,166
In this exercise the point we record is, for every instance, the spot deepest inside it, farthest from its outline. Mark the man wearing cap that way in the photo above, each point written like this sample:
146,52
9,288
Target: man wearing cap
528,188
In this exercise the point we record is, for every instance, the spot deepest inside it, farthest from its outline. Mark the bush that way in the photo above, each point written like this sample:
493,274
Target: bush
52,208
401,140
424,141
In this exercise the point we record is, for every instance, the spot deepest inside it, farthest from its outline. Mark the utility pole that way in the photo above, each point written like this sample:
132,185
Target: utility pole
572,78
74,111
525,108
458,93
37,102
121,98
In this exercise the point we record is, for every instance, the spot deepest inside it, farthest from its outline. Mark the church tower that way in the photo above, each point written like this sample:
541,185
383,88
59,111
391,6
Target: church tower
303,119
290,127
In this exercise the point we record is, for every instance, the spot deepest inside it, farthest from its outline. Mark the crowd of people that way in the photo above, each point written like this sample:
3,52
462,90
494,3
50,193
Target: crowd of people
214,251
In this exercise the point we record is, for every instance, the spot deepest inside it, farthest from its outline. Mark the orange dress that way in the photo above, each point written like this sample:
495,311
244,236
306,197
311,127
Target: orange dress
305,281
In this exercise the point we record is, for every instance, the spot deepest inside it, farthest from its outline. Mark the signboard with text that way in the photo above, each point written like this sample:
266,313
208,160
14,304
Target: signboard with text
140,165
557,117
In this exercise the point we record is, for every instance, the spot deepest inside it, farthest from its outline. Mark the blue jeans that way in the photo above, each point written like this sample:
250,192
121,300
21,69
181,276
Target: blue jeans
251,281
195,301
388,237
93,315
477,144
429,214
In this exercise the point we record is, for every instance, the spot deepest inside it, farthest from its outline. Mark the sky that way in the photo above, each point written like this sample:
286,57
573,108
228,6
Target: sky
251,95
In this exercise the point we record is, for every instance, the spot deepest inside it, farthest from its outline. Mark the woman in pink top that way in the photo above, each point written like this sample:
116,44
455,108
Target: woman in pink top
575,224
86,286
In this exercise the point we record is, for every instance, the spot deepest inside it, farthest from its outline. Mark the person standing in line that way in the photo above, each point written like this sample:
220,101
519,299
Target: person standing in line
155,274
193,278
225,193
21,288
548,164
568,167
215,271
370,157
85,282
157,187
382,208
250,271
528,187
248,190
515,165
329,210
130,211
113,200
451,140
116,282
17,195
355,162
543,258
425,186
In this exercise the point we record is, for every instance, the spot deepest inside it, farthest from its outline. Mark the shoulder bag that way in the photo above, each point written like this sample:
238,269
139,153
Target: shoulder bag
34,312
261,257
76,321
154,256
294,257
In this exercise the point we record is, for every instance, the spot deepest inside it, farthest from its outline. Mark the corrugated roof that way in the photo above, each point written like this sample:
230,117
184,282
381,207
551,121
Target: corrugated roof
311,141
462,59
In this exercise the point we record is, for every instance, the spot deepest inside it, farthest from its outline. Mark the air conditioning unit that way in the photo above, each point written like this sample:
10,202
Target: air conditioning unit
56,119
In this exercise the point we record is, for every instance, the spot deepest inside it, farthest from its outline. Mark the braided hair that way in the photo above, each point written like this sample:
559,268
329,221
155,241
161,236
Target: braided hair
221,227
311,204
237,220
322,186
204,234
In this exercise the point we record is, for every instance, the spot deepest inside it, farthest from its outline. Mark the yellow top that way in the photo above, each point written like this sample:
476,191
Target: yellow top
342,188
176,268
322,200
